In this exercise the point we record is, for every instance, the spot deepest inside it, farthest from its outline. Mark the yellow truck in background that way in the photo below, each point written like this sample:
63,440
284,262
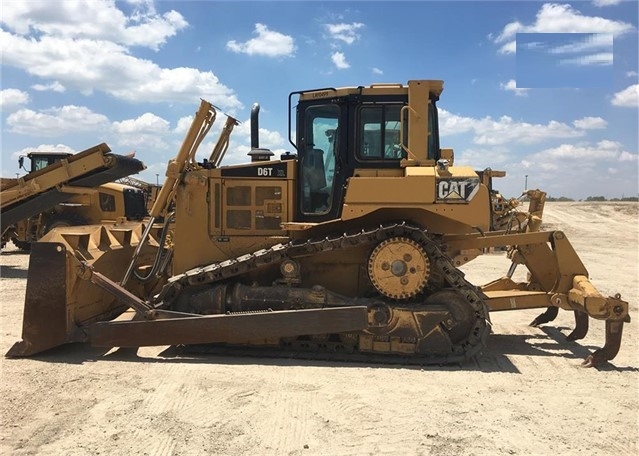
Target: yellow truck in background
64,189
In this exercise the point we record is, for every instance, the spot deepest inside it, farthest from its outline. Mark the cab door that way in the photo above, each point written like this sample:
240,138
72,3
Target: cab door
321,161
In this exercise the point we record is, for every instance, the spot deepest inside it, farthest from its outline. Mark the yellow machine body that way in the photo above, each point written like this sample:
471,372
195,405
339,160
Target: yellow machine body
349,246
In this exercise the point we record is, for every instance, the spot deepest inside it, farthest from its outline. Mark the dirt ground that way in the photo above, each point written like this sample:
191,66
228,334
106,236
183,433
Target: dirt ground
526,394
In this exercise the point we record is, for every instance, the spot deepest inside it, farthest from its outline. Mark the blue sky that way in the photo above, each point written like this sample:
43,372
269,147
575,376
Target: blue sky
131,73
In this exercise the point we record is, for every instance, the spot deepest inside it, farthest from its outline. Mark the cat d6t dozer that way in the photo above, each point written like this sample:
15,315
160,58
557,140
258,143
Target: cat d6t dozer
347,248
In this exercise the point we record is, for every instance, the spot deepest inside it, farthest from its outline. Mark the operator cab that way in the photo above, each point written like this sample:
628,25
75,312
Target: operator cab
40,160
343,130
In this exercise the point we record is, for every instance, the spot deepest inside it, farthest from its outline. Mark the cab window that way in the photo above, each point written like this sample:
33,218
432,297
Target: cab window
39,163
317,159
107,202
379,132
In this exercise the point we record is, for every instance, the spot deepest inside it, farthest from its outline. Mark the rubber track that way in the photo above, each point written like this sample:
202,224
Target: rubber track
219,272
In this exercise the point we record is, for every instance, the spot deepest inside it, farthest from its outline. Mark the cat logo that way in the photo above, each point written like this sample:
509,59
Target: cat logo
457,190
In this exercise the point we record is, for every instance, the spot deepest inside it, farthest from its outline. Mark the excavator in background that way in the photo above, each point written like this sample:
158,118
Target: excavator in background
347,248
64,189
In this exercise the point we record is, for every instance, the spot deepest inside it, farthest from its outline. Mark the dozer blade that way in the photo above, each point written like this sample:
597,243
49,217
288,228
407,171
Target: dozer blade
44,323
60,303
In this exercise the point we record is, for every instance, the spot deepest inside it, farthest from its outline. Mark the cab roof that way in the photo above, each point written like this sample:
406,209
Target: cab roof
435,87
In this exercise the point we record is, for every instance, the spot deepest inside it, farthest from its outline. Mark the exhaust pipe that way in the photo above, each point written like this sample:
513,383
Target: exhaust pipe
257,154
255,126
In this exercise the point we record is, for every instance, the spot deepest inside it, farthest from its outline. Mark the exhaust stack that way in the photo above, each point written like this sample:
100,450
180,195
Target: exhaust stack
257,154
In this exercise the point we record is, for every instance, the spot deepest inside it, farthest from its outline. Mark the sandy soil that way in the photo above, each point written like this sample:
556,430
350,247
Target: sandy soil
526,394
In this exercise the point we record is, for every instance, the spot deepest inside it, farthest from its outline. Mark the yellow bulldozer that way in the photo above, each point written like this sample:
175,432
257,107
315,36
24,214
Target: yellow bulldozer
349,247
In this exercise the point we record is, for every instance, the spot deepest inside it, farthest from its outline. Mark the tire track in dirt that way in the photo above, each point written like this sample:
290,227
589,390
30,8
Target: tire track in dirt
285,419
192,402
171,396
153,444
373,414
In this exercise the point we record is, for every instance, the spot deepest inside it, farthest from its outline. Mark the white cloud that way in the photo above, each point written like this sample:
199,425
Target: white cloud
511,86
376,70
562,170
270,139
55,86
544,166
627,156
339,59
583,50
505,130
184,123
88,19
10,98
146,123
88,65
604,150
590,123
590,42
56,121
492,157
556,18
628,97
601,3
147,130
267,43
559,167
343,33
632,74
509,48
534,45
346,33
602,59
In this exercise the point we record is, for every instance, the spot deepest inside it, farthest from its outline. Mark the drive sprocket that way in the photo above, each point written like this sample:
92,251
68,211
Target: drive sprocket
399,268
